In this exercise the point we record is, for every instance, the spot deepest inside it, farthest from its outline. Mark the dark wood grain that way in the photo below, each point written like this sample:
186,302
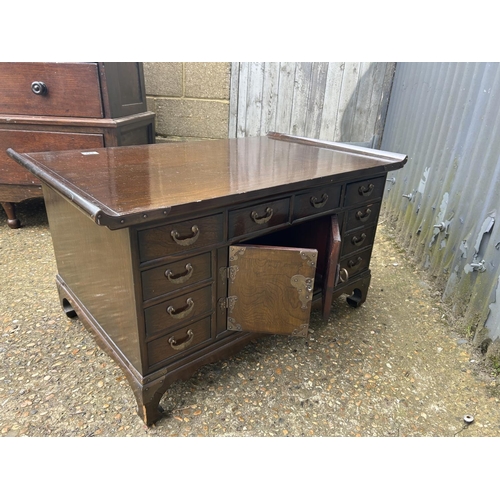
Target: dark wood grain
123,89
183,309
97,265
37,140
258,217
267,299
358,239
213,244
86,105
160,350
176,275
332,266
73,89
201,172
316,201
180,237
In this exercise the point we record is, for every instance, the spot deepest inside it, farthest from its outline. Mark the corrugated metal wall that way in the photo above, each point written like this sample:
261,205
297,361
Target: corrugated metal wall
323,100
445,203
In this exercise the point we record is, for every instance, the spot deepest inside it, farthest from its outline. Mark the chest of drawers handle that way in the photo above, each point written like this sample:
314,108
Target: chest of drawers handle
265,218
343,275
366,191
186,241
182,313
39,88
363,217
321,203
179,278
179,346
358,241
355,264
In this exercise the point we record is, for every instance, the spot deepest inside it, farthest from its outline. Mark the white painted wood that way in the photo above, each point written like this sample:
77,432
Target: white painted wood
269,97
363,103
347,100
285,97
242,101
233,98
254,98
342,101
301,89
316,99
331,102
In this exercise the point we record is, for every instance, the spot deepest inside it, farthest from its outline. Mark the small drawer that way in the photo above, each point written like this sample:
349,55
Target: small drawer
355,264
180,237
24,141
357,240
316,201
364,191
178,342
258,217
171,277
50,89
362,216
178,310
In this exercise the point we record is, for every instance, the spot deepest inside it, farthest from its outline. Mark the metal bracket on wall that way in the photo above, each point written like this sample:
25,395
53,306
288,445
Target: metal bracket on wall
476,266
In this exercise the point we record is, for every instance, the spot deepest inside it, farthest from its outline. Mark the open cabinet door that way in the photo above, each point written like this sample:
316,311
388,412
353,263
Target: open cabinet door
270,289
332,267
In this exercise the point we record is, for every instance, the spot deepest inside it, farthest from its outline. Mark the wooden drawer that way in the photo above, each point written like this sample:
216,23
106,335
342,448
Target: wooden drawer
364,191
31,141
316,201
356,240
72,89
180,341
171,277
180,237
356,263
362,216
257,217
173,312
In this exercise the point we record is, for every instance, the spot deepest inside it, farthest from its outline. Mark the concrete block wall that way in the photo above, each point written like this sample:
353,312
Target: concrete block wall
190,99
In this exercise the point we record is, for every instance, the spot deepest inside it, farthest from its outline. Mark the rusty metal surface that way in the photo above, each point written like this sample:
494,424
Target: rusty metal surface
445,203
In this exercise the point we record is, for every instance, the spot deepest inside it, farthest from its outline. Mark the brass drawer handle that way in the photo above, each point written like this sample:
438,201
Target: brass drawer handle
182,313
39,88
366,191
185,241
179,346
265,218
321,203
179,278
358,241
343,275
355,264
363,217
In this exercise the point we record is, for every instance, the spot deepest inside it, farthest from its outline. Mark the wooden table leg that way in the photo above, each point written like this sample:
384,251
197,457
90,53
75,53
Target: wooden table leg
10,209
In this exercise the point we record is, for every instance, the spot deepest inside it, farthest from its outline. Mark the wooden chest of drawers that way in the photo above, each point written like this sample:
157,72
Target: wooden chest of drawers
177,255
61,106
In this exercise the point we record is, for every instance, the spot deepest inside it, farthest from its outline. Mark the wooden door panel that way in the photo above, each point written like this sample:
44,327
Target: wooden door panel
270,289
332,267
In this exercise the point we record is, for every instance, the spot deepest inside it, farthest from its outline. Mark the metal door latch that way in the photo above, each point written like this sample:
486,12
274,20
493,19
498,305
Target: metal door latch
478,266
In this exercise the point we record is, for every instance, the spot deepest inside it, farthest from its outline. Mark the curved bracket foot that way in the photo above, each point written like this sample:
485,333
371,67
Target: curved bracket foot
357,298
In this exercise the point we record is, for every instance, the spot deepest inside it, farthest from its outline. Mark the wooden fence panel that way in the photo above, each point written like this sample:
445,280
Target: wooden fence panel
343,102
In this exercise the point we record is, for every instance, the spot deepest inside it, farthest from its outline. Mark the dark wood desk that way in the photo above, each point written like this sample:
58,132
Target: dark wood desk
177,255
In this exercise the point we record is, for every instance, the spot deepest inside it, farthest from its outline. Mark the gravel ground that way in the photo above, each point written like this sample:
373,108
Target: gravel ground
399,365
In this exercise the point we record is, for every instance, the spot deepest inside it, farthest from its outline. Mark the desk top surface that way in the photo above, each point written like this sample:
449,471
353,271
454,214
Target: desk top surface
149,180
